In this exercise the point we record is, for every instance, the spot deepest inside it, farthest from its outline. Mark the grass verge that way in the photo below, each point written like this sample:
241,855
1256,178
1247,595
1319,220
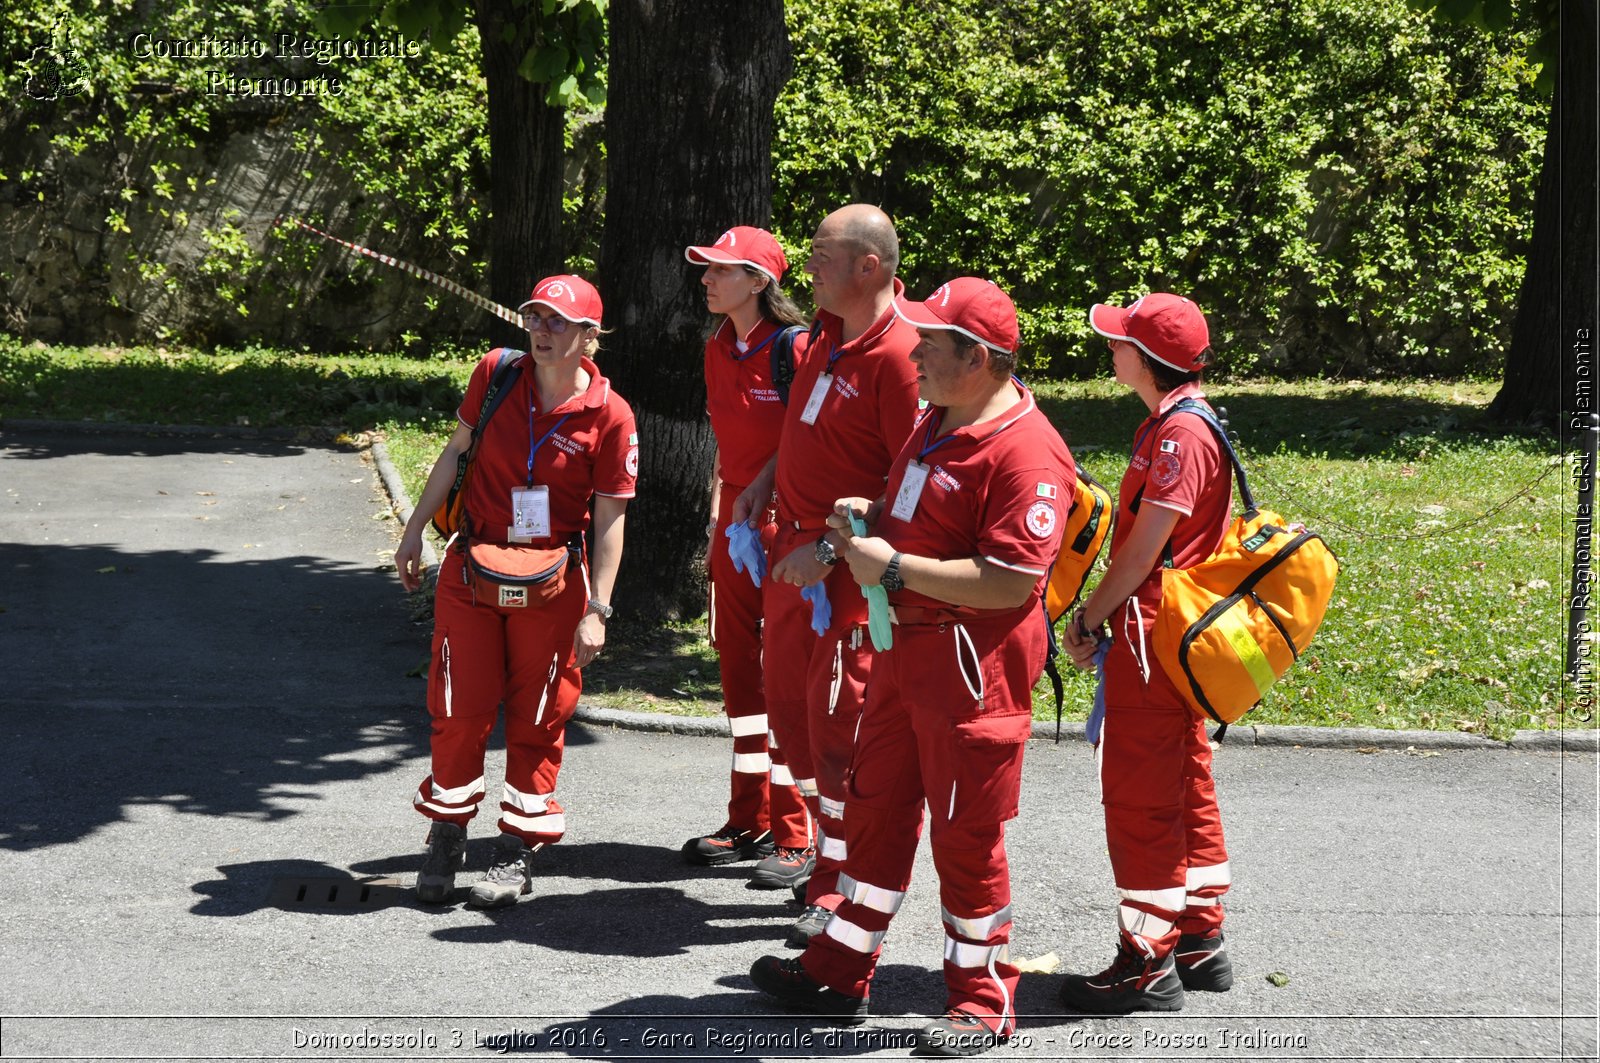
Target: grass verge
1448,614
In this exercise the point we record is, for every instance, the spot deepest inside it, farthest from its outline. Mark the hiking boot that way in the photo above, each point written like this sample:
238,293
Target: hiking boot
728,845
1133,982
510,875
956,1033
447,854
1203,963
809,925
784,869
787,982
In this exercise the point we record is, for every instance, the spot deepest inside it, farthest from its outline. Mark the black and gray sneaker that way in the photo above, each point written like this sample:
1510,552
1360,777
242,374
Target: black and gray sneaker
787,982
1203,963
510,874
784,869
728,845
1133,982
812,922
956,1033
447,854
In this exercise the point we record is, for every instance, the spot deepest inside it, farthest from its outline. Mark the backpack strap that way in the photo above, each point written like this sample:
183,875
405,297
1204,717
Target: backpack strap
507,368
1052,651
1204,412
506,371
783,357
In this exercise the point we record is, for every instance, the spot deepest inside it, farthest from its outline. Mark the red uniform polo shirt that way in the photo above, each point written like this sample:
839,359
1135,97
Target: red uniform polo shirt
1179,464
746,414
862,423
999,489
586,446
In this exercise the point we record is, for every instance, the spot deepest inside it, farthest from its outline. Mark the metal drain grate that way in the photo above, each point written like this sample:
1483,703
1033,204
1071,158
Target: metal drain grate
297,894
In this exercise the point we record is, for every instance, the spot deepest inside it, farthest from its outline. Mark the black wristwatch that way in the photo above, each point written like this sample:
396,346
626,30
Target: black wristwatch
891,580
826,553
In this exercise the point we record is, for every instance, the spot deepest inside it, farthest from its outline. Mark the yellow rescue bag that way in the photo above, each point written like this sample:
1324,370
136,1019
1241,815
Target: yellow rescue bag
1231,626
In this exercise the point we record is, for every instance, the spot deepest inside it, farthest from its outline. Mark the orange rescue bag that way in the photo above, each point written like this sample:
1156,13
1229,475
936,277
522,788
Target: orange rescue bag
1231,626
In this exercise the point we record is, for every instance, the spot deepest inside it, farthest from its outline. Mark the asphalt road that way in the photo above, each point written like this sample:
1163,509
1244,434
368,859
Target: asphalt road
207,716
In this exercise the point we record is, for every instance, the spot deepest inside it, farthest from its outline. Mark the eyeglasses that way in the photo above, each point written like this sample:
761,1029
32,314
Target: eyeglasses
555,324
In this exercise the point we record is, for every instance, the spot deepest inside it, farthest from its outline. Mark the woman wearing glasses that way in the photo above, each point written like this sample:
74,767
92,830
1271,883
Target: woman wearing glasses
743,270
519,608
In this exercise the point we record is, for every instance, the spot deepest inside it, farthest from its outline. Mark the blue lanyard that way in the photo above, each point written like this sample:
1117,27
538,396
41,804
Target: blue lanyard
930,447
833,355
757,349
533,448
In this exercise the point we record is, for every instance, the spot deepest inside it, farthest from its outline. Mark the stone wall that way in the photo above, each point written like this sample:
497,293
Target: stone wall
205,266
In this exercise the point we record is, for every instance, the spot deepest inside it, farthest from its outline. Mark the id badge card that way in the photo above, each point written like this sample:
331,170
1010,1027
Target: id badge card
819,391
530,514
911,485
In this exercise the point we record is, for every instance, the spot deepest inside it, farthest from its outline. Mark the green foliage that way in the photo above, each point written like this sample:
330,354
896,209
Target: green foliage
405,133
1321,175
1496,16
565,38
256,386
1344,185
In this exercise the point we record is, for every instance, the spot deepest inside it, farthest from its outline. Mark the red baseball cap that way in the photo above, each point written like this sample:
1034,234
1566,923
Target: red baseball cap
974,307
1167,327
568,295
743,245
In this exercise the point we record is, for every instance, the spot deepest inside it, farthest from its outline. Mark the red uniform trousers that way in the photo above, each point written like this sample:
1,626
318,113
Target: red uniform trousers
734,618
815,687
1163,827
947,713
483,655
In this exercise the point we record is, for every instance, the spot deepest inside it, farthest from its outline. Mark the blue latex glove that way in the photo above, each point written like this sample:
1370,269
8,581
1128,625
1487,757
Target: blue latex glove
821,610
744,550
878,625
1097,715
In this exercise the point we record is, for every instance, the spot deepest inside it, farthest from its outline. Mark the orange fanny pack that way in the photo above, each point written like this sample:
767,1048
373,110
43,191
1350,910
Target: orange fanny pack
1231,626
516,576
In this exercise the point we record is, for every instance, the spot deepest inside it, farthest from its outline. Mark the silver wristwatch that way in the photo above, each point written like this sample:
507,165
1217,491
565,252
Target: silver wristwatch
826,553
891,581
605,611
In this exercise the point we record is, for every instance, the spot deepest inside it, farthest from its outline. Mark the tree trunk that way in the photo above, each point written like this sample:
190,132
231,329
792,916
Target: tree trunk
1557,300
526,167
689,154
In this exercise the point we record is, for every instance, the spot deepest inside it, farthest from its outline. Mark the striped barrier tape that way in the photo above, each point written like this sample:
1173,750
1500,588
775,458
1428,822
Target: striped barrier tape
503,312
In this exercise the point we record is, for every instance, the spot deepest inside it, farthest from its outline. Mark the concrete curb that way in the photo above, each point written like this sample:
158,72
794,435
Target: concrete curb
1241,735
399,499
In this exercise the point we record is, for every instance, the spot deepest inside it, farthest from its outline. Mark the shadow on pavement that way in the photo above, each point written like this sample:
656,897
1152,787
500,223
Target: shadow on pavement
247,888
176,678
644,921
741,1023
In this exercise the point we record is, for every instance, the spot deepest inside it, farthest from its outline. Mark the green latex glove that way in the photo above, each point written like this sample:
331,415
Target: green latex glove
878,625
